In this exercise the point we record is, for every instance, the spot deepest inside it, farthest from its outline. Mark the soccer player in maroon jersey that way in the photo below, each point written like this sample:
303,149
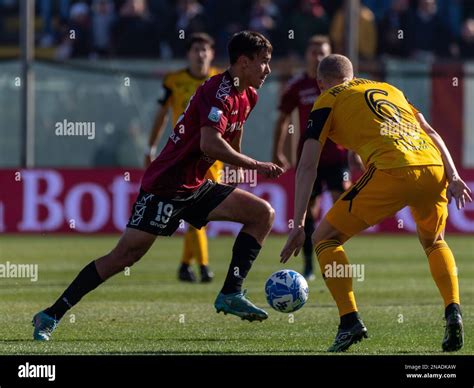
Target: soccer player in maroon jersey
174,188
300,93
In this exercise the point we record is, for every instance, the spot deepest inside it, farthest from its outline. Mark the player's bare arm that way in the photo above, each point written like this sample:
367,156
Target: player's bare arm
236,142
159,124
457,188
213,145
279,137
305,176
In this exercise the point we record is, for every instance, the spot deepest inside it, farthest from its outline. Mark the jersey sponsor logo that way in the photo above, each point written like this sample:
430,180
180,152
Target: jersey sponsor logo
234,112
215,114
237,126
224,89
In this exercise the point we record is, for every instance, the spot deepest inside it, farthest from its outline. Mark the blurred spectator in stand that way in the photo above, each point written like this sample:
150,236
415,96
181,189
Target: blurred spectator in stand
378,7
263,17
45,7
164,14
427,34
308,19
392,29
76,37
135,33
332,6
367,32
103,17
228,17
467,9
451,11
190,17
467,39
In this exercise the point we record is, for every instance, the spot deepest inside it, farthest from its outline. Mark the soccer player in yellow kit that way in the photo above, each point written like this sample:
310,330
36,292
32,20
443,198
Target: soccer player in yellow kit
408,164
178,87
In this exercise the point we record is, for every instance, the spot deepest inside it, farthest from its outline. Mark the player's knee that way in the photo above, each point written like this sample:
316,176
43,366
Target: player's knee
267,216
428,242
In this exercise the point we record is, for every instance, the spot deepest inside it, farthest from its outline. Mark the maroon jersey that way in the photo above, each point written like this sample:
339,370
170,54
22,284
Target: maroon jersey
301,92
181,166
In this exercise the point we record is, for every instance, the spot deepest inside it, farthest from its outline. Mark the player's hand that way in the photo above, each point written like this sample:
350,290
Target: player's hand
270,170
281,160
293,244
461,192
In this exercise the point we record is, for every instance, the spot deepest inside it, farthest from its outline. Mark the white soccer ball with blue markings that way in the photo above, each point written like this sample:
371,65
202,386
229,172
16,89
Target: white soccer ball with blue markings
286,291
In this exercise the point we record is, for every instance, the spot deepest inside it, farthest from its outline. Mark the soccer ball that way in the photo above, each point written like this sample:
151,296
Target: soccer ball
286,291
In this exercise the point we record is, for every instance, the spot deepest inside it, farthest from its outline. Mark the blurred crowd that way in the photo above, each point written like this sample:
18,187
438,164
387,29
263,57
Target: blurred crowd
421,29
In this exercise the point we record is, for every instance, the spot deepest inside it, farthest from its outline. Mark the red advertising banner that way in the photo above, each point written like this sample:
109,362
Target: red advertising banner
99,201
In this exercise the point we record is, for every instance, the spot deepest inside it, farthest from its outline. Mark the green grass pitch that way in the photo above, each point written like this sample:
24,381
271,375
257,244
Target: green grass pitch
150,312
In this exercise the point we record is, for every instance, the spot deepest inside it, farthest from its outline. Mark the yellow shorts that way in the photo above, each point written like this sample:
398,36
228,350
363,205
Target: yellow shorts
379,194
213,172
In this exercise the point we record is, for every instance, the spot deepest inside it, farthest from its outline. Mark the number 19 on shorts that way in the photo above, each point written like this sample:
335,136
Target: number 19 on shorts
164,212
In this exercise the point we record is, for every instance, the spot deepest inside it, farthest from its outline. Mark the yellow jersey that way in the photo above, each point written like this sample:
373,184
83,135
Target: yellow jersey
178,87
375,120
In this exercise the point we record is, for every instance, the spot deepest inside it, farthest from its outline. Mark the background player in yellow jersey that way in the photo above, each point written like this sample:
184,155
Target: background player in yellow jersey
178,87
408,164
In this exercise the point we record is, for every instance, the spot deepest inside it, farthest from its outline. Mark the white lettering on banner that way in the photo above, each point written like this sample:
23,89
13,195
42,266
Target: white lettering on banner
49,205
121,191
58,212
33,200
100,205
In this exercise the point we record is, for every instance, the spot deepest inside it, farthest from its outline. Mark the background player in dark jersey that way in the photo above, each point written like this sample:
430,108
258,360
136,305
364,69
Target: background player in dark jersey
300,93
174,187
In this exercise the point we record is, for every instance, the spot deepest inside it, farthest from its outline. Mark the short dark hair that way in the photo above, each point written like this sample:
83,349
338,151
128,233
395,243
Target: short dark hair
247,43
319,40
199,37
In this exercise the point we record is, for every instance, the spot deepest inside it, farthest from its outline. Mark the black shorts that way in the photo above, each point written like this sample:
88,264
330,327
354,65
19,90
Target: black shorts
162,216
330,176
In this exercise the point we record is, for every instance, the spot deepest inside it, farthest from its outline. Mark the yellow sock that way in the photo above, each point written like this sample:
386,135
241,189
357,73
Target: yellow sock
200,251
331,253
188,247
444,271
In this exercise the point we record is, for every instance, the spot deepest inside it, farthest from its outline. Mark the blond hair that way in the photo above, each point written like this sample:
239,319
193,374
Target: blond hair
335,67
